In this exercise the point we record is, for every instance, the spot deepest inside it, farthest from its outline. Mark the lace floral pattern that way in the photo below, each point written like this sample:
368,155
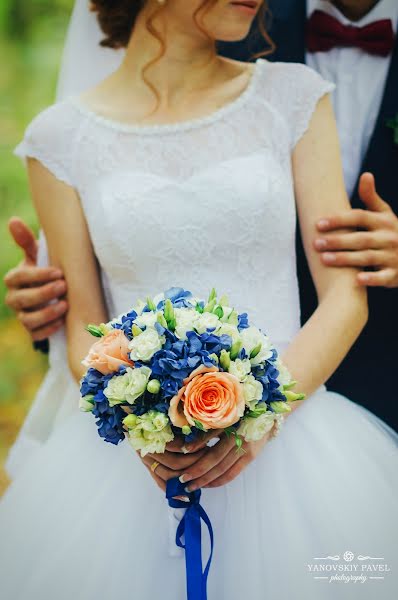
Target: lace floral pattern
203,203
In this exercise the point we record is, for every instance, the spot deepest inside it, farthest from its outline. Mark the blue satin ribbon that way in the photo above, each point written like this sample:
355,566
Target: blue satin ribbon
190,525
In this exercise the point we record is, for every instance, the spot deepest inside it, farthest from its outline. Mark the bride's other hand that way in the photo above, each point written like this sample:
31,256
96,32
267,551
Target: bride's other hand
222,463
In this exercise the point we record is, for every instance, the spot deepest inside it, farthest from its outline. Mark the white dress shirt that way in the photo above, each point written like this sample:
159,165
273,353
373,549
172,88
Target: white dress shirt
360,80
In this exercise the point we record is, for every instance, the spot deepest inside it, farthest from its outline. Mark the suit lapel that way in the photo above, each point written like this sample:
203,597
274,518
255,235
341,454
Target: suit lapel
288,28
381,158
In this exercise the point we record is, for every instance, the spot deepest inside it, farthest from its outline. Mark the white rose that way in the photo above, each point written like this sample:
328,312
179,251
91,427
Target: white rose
146,319
127,387
252,429
206,321
144,346
240,368
231,330
251,338
186,319
252,390
150,433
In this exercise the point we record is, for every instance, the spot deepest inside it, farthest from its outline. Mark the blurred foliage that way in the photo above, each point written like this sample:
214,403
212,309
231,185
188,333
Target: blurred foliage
32,36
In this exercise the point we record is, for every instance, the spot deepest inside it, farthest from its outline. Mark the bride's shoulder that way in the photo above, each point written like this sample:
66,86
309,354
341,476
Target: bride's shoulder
293,90
296,78
53,123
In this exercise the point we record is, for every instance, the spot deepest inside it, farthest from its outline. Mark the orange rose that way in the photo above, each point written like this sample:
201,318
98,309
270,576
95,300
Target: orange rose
109,353
210,396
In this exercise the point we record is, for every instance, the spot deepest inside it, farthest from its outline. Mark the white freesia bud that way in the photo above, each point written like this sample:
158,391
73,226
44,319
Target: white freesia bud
86,403
127,387
280,407
153,386
145,345
240,368
225,359
130,421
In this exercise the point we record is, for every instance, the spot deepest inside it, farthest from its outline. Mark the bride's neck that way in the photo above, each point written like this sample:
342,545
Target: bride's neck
185,60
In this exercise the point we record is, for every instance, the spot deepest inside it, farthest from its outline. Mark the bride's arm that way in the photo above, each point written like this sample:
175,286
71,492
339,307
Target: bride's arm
323,342
62,218
328,335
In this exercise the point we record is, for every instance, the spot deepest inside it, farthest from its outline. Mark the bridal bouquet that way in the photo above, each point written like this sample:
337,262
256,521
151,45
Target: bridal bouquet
176,365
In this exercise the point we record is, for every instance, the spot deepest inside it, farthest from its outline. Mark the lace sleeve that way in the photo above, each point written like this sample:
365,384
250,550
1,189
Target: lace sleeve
48,139
311,87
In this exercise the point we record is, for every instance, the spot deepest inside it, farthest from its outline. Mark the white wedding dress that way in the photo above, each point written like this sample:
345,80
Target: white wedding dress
199,204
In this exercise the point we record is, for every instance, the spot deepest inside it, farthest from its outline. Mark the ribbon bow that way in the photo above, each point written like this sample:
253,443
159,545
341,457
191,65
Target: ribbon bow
190,525
325,32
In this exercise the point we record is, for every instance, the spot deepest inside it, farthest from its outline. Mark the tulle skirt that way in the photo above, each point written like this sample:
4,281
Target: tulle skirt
316,509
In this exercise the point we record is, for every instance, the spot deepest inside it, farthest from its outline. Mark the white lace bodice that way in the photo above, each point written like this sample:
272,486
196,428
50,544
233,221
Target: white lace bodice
197,204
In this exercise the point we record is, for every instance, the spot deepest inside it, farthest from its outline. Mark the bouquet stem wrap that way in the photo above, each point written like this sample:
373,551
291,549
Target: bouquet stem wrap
190,526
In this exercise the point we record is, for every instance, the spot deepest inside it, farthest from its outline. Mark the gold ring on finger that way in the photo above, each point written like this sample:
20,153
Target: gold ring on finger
154,466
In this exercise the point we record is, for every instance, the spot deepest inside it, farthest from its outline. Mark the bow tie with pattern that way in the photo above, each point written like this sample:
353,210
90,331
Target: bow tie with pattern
324,32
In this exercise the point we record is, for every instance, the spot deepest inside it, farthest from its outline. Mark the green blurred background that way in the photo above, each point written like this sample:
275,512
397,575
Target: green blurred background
31,39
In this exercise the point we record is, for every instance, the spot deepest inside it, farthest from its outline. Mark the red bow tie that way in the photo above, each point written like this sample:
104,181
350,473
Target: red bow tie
324,32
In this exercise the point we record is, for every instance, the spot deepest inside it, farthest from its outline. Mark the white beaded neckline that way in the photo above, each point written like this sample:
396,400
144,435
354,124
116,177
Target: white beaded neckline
160,128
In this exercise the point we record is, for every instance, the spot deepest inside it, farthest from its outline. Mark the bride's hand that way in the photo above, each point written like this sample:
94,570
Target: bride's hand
222,463
176,459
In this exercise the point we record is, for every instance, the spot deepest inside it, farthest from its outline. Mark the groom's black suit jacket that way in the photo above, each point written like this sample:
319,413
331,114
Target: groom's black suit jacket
369,374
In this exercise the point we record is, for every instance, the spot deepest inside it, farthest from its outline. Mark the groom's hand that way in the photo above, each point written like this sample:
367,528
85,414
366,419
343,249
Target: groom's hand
374,244
32,288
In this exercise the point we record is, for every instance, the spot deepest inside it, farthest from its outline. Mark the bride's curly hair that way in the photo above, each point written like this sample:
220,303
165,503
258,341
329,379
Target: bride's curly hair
117,18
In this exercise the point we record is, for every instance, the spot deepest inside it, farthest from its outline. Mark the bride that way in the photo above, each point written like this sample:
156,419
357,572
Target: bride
184,168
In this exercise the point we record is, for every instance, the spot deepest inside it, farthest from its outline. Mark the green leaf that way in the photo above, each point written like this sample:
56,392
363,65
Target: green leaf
199,308
94,330
239,442
199,425
229,431
257,411
218,311
212,296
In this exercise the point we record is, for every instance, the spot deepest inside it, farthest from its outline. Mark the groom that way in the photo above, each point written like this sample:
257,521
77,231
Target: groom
364,65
